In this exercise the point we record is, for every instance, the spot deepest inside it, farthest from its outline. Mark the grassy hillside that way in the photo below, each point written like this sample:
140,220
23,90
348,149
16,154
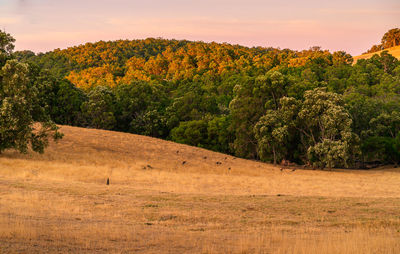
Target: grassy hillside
172,198
394,51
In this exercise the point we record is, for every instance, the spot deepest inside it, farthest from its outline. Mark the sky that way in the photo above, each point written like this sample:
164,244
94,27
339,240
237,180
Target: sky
349,25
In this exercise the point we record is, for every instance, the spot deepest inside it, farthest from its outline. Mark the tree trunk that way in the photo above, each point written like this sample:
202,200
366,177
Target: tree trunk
273,150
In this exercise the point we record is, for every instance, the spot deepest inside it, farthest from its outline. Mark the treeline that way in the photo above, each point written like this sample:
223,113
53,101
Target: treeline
309,107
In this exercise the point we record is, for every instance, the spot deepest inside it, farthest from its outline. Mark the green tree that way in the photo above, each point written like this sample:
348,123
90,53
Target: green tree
275,131
6,47
246,108
326,125
6,43
320,123
271,133
98,111
23,122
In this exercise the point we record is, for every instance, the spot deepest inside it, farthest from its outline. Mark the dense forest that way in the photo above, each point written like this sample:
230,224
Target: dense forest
310,107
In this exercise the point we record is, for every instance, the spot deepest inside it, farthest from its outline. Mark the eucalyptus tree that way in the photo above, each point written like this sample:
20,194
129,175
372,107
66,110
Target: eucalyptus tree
23,121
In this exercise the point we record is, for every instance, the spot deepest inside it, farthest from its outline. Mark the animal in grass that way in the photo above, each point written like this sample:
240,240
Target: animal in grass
287,163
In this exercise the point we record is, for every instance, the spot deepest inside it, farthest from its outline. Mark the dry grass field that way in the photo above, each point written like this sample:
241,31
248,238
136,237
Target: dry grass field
170,198
394,51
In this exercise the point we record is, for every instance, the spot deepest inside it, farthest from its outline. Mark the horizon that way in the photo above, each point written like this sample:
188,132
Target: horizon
43,25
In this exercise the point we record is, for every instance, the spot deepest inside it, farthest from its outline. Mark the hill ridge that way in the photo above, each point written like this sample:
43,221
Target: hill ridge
394,51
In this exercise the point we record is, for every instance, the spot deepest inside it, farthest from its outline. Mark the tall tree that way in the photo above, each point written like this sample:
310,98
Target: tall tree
6,43
23,121
6,46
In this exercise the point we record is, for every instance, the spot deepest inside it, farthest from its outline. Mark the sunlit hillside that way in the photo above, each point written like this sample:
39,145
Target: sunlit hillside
394,51
181,199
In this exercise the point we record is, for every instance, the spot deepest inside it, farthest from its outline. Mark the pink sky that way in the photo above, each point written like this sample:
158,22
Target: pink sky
351,25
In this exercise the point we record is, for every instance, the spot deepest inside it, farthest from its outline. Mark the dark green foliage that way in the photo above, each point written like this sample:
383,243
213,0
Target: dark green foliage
66,105
192,133
247,106
140,108
23,121
220,135
99,109
213,134
381,140
382,149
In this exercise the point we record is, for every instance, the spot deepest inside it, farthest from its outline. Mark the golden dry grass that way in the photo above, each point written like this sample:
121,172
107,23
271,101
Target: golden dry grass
172,198
394,51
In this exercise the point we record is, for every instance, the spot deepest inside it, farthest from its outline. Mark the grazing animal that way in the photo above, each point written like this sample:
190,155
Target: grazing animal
183,162
149,166
108,181
218,163
287,163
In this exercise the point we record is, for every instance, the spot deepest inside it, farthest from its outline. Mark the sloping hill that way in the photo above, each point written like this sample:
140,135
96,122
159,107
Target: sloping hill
394,51
165,197
89,155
